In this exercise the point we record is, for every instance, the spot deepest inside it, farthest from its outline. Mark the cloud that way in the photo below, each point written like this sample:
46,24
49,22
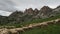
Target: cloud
5,13
7,5
22,4
12,5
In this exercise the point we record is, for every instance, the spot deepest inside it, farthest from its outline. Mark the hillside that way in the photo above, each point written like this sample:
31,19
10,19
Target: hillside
51,29
43,21
30,15
44,27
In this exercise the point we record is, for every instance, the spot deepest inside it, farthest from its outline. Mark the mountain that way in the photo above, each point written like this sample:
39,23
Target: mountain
3,20
56,11
16,16
30,14
45,11
29,11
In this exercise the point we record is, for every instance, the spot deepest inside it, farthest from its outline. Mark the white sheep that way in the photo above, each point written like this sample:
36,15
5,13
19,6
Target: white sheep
13,31
5,31
19,29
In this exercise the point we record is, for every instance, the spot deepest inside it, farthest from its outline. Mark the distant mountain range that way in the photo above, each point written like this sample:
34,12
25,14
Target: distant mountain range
30,14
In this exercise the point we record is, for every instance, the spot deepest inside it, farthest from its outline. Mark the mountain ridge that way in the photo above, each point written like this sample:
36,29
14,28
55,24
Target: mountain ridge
30,14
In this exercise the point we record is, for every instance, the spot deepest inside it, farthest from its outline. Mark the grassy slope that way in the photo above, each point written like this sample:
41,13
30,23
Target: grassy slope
34,21
51,29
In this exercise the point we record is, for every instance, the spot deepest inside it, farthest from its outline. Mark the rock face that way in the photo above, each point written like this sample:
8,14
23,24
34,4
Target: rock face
16,16
45,12
30,14
56,11
36,11
3,20
29,11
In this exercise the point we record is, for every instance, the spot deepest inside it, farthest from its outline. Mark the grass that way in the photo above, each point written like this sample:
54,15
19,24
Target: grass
34,21
51,29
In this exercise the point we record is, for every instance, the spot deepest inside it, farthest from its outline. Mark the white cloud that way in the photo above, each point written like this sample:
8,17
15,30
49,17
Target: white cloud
5,13
7,5
22,4
11,5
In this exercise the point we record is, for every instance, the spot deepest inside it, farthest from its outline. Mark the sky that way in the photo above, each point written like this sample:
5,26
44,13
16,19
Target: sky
8,6
22,4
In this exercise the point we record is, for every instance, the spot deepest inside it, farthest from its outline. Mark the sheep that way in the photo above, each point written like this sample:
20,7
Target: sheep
13,31
25,28
1,30
30,26
50,22
57,21
19,29
44,24
5,31
36,25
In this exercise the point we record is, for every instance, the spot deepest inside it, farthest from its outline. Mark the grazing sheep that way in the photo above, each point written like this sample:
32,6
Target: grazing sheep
1,30
43,25
57,21
25,28
13,31
35,25
50,22
19,29
5,31
30,26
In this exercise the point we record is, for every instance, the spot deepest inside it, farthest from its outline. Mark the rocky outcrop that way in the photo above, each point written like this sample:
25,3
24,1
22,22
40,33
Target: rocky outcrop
56,11
45,12
36,11
29,11
16,16
3,20
29,14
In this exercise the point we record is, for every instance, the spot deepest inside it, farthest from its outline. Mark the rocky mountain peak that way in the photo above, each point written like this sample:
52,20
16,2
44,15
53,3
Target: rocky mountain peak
45,11
45,8
58,6
36,11
16,13
29,11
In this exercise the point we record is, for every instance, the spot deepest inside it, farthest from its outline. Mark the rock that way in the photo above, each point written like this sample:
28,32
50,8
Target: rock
45,12
15,17
29,11
36,11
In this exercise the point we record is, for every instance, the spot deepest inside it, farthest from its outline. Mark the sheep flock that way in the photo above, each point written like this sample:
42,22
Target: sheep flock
27,27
